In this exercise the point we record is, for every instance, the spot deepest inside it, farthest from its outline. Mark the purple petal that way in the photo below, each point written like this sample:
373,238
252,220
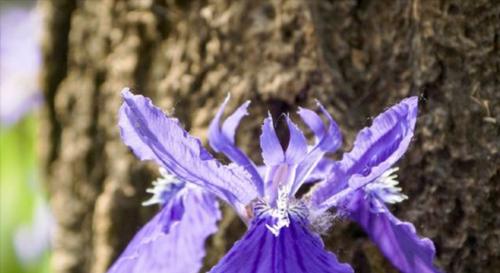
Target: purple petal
321,171
222,140
154,136
178,248
313,121
328,139
297,146
294,250
20,60
232,122
397,240
272,152
376,149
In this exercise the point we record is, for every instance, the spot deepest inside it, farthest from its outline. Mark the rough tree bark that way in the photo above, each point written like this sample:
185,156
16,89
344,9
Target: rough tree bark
357,57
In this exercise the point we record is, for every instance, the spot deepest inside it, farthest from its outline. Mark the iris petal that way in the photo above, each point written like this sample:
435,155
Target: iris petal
297,146
328,140
397,240
173,242
231,123
221,139
375,150
295,250
313,121
154,136
272,152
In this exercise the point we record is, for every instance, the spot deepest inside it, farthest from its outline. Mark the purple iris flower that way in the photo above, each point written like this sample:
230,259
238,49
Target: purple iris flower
20,60
281,233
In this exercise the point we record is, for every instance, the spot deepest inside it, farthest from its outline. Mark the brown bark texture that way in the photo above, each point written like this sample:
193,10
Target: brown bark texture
356,57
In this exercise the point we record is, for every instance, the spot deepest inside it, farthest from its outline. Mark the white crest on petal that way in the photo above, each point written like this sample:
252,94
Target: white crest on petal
163,188
280,213
385,188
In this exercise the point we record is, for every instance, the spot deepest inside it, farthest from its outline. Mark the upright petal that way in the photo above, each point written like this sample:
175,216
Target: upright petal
297,146
222,140
375,150
313,121
231,123
154,136
174,245
397,240
328,139
272,152
295,250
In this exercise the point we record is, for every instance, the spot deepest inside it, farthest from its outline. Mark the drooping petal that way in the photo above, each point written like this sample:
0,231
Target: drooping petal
375,150
174,245
272,152
397,240
154,136
222,140
295,250
297,146
328,139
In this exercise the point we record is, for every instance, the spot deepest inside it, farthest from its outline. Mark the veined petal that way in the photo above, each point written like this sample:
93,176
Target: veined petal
375,150
321,171
397,240
332,139
222,140
272,152
313,121
295,250
297,146
180,248
231,123
154,136
328,139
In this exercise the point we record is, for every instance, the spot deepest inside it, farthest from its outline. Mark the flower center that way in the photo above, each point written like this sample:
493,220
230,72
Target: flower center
279,216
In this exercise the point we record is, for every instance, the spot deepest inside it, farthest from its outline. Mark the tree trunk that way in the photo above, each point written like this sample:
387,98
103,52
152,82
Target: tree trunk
356,57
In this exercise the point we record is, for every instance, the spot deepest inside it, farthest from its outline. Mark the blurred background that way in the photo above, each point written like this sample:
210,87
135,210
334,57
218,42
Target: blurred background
71,192
25,219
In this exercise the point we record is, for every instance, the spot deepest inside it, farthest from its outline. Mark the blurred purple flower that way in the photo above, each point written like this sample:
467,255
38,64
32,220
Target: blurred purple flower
33,240
280,236
19,63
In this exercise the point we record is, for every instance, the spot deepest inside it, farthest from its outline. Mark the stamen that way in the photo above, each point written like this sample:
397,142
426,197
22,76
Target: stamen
385,188
163,188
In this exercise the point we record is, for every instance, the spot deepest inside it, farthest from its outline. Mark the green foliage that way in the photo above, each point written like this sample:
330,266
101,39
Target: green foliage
20,190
